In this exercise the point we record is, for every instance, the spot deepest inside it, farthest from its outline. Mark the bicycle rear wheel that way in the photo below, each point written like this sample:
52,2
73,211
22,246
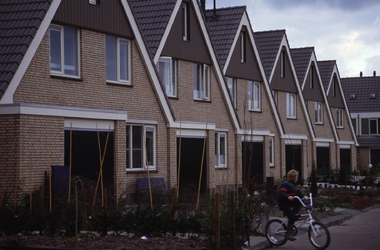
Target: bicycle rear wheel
319,235
275,232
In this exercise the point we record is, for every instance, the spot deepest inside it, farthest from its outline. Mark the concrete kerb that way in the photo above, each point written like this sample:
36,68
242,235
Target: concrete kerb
260,242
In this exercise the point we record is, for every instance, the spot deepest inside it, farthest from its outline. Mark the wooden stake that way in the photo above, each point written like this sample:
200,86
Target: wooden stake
6,177
71,149
200,175
147,168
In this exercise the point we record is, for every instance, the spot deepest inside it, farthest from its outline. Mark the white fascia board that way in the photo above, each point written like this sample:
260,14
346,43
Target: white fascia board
295,137
167,31
31,109
248,132
245,21
314,58
148,63
321,139
365,115
194,125
345,142
345,104
8,95
252,138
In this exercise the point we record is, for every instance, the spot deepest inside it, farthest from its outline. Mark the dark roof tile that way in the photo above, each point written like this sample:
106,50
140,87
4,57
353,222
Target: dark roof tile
301,59
326,70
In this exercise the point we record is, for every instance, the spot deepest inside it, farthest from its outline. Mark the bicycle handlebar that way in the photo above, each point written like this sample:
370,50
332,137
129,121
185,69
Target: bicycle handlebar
302,199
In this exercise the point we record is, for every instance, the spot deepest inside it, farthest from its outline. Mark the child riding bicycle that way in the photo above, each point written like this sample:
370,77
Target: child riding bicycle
286,200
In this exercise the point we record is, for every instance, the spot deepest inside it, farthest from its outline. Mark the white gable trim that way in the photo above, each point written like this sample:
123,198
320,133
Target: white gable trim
149,64
8,95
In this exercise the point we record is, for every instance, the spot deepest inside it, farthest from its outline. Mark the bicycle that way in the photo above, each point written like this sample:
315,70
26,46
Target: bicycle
319,235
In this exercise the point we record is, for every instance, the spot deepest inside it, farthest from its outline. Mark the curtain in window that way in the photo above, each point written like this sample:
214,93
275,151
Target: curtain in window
70,51
111,58
55,49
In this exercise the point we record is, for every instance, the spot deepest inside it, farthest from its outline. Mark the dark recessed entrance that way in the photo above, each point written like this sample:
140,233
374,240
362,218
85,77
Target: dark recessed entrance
191,158
323,159
345,159
85,155
294,159
253,164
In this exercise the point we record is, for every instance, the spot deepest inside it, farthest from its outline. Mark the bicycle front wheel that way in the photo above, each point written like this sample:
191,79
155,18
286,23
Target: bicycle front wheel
319,235
275,232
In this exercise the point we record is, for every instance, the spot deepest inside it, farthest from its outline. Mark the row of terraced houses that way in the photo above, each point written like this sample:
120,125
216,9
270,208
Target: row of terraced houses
166,84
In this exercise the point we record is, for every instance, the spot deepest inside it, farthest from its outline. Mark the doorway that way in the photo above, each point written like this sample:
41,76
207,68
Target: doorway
253,165
323,159
294,159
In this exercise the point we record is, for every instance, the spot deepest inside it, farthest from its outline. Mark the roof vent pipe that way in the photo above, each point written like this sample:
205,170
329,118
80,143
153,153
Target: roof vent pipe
361,74
374,73
214,8
203,6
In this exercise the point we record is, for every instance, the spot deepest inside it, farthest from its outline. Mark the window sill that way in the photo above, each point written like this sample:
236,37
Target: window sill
140,171
173,97
220,168
120,84
67,77
255,110
319,123
340,127
271,166
291,118
201,100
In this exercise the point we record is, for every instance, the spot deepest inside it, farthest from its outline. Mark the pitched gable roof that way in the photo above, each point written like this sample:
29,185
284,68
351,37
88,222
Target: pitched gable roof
326,69
268,43
222,29
362,88
152,18
301,59
20,20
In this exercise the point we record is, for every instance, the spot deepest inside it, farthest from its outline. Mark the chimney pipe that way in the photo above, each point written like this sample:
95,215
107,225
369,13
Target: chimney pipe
203,6
361,74
214,8
374,73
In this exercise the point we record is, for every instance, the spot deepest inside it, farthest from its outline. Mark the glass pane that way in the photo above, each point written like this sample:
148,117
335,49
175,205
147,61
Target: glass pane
372,126
150,146
353,121
365,126
123,55
222,148
70,51
375,158
250,95
270,151
111,57
196,81
230,84
174,78
164,71
205,83
55,50
137,146
128,146
216,149
378,126
257,96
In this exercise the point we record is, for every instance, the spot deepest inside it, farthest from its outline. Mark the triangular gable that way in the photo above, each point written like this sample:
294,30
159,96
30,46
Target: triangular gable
192,49
285,83
109,17
334,95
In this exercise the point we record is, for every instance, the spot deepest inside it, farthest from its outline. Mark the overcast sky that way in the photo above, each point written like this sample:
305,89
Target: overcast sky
347,31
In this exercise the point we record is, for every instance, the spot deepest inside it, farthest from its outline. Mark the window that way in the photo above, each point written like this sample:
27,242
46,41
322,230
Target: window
334,90
318,112
274,94
118,60
185,22
339,118
290,105
373,126
365,126
64,51
353,121
167,68
231,84
201,82
271,152
352,96
220,150
312,76
242,47
254,96
375,157
372,96
282,63
94,2
139,151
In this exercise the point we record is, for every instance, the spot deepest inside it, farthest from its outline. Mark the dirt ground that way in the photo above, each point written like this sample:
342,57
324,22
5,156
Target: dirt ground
108,242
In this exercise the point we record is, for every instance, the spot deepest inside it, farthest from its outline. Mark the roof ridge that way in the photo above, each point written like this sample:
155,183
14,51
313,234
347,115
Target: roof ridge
302,48
228,8
270,31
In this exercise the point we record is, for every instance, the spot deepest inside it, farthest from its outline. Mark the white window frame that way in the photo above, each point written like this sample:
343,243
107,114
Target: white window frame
171,86
231,84
143,145
339,118
118,79
203,79
271,151
218,155
318,112
62,48
185,35
291,105
242,47
254,96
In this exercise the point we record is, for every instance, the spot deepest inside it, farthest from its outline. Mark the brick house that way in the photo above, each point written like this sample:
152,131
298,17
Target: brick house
326,136
261,130
346,151
362,97
296,143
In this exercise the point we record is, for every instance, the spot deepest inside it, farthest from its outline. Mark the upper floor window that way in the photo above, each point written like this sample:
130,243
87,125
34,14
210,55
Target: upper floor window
282,62
334,87
271,151
290,105
220,150
64,51
274,94
339,118
231,84
118,60
353,121
94,2
254,96
318,113
312,76
201,81
185,22
141,147
242,47
167,68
